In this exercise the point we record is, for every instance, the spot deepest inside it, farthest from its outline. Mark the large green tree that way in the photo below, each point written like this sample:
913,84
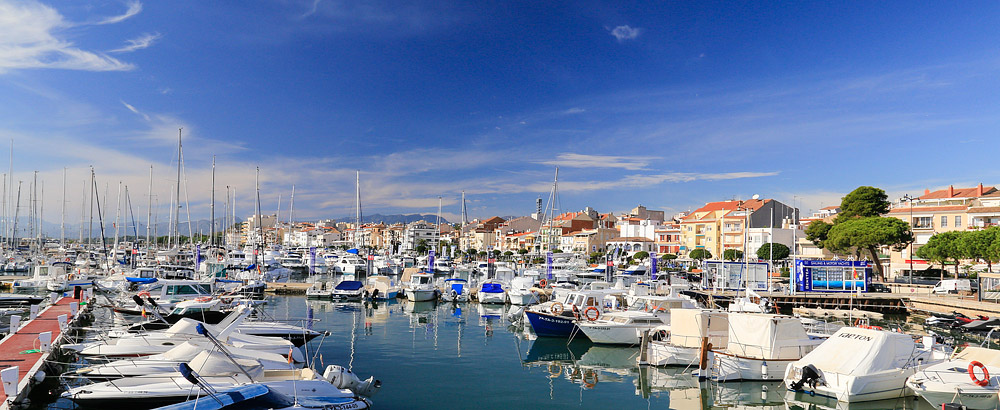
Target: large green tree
869,234
943,247
700,254
977,245
780,251
859,227
816,232
863,202
732,254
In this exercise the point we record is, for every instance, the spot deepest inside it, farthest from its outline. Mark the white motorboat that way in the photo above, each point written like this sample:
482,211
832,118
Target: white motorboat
320,290
349,264
521,293
861,364
455,290
681,346
145,344
970,378
421,288
381,288
492,292
212,371
760,347
751,302
647,313
557,318
348,290
43,274
167,362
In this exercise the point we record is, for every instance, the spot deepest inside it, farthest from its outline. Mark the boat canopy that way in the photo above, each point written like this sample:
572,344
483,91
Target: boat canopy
689,326
990,357
490,287
349,285
457,287
857,351
762,336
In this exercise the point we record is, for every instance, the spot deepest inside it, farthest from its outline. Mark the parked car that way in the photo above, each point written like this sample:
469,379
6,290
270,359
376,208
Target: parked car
879,288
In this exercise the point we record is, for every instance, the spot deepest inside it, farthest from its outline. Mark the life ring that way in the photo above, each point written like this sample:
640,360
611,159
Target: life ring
543,283
755,300
985,381
203,299
597,313
68,260
555,369
70,276
576,312
556,308
144,293
220,258
590,378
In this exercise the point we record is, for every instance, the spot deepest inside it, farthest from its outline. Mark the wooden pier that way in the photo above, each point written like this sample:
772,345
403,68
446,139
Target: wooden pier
888,303
22,349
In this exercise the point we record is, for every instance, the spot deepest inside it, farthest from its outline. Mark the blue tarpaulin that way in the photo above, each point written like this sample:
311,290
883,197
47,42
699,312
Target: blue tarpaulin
140,280
353,250
349,285
492,288
229,280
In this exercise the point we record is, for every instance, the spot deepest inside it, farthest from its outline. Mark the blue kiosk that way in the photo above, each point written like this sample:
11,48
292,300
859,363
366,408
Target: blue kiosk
832,276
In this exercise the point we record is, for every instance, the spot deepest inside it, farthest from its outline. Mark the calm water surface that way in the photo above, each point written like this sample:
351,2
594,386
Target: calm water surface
467,356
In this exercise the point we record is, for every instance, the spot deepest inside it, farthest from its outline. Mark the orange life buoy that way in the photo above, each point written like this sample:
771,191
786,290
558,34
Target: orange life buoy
144,293
543,283
553,309
203,299
586,313
985,381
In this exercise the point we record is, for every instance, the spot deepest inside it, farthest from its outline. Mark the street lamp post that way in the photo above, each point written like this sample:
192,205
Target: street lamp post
909,198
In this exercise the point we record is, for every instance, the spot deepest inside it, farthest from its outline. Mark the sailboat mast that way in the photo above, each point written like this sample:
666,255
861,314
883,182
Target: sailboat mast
357,217
118,221
17,206
177,210
291,207
211,238
260,229
90,228
62,220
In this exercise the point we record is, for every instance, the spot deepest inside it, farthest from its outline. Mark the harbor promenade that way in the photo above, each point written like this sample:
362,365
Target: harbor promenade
24,351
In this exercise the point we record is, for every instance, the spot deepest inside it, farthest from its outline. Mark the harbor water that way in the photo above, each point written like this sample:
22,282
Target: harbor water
432,355
439,355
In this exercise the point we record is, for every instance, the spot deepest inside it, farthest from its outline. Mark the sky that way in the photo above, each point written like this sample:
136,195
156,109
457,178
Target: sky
665,104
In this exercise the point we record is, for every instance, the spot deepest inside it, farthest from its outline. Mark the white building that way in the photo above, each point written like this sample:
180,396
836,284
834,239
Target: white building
417,231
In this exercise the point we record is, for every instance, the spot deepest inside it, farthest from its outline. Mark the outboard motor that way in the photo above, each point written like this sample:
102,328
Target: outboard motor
342,378
810,375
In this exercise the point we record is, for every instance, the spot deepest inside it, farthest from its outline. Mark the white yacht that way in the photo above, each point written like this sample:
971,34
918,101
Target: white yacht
455,290
381,288
492,291
647,313
761,346
970,377
861,364
521,293
421,288
689,328
350,264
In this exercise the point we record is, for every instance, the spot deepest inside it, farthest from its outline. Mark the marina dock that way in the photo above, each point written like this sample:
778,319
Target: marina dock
23,349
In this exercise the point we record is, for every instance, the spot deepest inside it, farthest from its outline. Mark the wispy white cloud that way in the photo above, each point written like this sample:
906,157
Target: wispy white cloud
134,110
28,39
599,161
623,33
143,41
312,10
134,7
574,110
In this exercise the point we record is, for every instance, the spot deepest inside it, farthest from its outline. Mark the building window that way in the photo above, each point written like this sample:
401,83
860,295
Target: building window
958,221
944,221
922,222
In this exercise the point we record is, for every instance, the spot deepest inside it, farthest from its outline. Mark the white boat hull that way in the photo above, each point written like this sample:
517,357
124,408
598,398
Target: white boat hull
665,354
492,298
523,299
421,295
733,368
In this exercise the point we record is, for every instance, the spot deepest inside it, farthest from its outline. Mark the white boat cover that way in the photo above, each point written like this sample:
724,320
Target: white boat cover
857,351
214,363
184,326
989,357
182,351
764,336
689,326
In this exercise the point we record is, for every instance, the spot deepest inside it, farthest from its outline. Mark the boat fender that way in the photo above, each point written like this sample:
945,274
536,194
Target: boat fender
660,335
763,369
810,375
556,308
985,381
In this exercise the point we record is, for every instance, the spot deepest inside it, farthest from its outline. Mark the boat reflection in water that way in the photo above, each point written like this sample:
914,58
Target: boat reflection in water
803,401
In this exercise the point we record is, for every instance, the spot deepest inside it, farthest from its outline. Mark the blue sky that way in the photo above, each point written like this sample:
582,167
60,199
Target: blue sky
665,104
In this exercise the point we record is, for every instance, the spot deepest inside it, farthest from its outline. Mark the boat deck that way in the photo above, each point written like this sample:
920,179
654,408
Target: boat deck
13,347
